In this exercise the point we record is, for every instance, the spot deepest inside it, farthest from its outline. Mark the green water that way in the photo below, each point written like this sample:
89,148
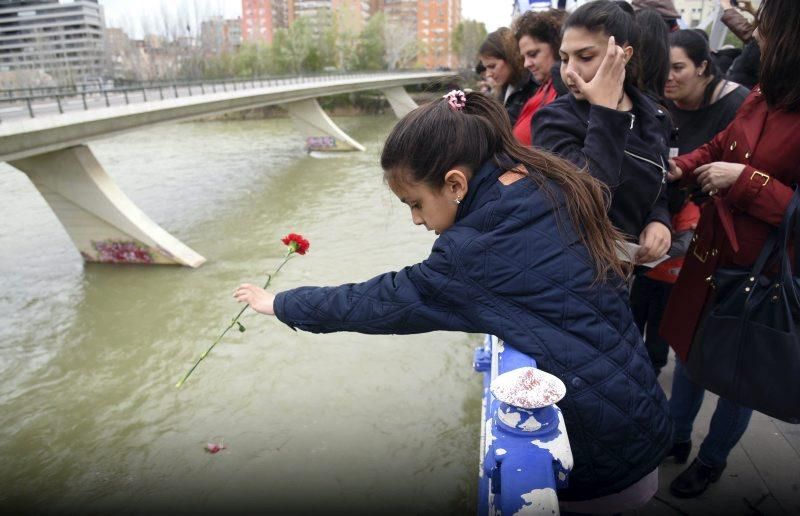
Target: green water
90,420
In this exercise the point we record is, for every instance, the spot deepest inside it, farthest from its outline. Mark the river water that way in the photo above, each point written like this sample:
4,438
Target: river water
90,420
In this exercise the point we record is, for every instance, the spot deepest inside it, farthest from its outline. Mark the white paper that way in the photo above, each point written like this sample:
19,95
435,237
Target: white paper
626,251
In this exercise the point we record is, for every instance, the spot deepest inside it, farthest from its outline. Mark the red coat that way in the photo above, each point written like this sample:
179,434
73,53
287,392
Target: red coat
734,226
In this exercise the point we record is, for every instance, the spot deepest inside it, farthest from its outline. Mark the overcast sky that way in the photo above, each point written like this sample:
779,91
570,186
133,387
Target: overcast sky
135,15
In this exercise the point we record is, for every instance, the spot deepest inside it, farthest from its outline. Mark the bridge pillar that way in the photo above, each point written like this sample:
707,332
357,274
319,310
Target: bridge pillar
321,133
101,220
402,104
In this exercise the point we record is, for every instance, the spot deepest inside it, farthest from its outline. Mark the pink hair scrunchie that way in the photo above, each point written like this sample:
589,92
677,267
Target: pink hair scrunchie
457,99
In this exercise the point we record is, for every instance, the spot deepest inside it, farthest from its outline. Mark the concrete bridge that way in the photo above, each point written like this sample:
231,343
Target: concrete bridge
103,223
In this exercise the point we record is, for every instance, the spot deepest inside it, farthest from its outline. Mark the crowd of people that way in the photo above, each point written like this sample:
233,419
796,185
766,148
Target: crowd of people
604,126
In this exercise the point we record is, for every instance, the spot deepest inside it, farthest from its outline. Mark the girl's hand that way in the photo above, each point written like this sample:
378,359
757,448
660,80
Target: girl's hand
257,297
606,88
717,176
674,172
654,242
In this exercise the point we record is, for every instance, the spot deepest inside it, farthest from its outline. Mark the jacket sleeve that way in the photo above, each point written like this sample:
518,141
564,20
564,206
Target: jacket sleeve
660,211
413,300
738,24
707,153
760,196
602,149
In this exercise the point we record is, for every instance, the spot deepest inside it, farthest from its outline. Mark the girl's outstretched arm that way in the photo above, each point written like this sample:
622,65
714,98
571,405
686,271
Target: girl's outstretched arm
425,297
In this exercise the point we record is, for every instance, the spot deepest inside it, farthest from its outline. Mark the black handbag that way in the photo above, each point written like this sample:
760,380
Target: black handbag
747,348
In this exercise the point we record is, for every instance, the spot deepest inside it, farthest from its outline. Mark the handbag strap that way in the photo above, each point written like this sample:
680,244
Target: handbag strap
776,244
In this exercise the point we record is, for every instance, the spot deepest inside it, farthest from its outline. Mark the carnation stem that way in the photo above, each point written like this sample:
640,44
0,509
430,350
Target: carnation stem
232,324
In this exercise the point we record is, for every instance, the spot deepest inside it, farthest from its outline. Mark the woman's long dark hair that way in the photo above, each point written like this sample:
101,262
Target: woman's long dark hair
697,49
612,20
653,52
433,139
501,44
780,53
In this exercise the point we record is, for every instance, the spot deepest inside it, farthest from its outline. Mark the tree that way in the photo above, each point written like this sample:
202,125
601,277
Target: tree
402,45
467,38
371,47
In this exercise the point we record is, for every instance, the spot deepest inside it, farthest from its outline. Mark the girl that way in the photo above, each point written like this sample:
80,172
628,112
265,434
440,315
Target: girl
538,35
512,84
526,252
749,169
609,126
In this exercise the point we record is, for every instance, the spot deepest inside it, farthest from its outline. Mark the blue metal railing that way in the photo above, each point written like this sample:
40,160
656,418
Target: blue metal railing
525,454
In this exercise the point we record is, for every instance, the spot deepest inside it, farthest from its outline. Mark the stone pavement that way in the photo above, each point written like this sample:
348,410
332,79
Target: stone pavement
762,477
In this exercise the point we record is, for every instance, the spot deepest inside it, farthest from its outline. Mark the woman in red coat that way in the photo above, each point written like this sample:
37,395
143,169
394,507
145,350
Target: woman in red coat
748,169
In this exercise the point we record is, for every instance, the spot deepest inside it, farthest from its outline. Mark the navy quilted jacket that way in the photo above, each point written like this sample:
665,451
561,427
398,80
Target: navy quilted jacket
509,268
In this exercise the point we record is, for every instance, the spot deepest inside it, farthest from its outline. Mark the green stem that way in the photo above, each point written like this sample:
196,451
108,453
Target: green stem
232,324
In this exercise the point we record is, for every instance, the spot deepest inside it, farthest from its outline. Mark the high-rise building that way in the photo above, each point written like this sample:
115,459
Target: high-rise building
65,40
431,24
220,35
350,14
260,18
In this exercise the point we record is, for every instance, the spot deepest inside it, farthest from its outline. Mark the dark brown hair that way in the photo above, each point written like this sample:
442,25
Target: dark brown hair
611,19
433,139
780,53
697,49
544,26
501,44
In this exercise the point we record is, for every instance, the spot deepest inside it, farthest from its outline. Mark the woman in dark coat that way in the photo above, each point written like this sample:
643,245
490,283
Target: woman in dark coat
609,126
749,170
512,84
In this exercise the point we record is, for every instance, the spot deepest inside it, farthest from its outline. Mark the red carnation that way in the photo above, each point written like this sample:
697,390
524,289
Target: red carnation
297,244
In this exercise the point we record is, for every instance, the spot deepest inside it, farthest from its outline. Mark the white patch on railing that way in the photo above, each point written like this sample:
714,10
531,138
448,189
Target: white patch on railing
510,418
528,388
539,501
559,447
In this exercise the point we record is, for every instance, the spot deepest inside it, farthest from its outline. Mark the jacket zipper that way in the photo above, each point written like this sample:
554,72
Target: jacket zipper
661,167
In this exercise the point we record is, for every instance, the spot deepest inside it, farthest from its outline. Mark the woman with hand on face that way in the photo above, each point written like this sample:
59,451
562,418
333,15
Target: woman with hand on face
512,84
610,127
538,35
748,169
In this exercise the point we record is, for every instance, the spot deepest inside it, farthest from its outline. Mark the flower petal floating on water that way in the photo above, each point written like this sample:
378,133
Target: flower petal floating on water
214,447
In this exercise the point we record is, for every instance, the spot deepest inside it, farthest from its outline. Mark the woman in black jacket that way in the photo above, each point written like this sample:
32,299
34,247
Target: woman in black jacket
609,126
513,84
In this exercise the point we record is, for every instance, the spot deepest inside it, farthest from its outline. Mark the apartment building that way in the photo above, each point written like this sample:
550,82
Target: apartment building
63,39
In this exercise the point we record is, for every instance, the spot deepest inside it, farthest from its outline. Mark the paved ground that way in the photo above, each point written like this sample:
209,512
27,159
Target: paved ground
762,477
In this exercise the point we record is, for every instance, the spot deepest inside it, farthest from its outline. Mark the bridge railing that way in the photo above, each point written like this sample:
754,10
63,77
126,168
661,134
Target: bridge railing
64,99
525,454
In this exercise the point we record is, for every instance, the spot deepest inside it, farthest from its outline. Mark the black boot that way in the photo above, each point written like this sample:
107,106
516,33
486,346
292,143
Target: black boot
680,451
695,480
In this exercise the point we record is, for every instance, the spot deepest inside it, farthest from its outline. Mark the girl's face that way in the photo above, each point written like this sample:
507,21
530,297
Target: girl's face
434,208
538,57
497,70
582,52
685,79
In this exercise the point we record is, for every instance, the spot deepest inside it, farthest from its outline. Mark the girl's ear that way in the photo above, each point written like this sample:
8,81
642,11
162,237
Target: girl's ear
455,184
628,51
